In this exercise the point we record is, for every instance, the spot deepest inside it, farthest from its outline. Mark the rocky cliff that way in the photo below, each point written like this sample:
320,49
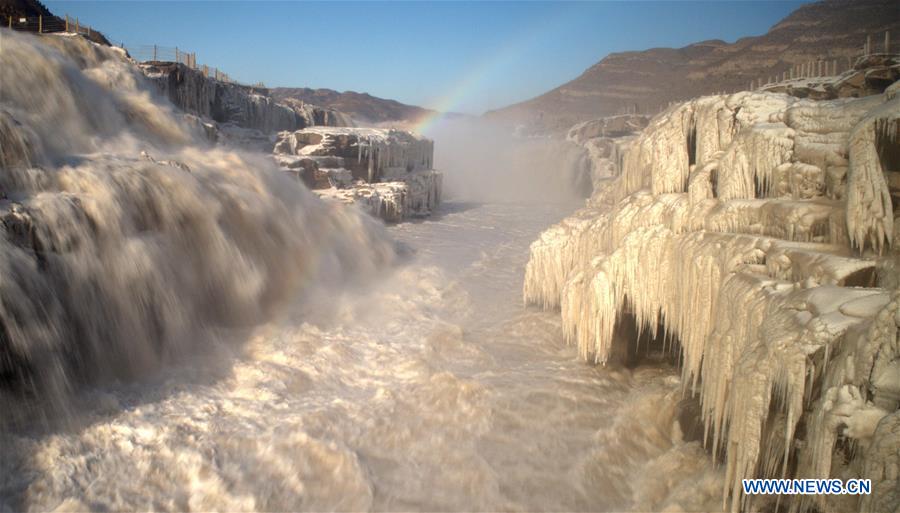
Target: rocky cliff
243,106
755,235
646,81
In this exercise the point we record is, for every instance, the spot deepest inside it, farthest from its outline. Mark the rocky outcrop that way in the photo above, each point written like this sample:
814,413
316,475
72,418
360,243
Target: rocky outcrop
755,233
388,172
229,103
869,75
371,154
647,81
416,195
614,126
361,106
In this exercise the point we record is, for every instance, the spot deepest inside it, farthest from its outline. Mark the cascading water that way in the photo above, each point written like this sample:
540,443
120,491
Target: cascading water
126,236
132,249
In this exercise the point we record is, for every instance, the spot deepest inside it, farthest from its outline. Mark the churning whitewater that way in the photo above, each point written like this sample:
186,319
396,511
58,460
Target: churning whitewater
427,389
185,327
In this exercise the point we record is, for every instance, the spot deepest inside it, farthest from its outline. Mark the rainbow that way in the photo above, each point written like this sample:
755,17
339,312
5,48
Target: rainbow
485,69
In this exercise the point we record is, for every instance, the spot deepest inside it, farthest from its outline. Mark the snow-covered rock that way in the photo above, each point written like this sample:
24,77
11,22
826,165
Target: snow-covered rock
388,172
756,232
614,126
414,196
371,154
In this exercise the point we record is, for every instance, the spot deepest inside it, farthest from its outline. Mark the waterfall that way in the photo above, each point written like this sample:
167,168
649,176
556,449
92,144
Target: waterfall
127,236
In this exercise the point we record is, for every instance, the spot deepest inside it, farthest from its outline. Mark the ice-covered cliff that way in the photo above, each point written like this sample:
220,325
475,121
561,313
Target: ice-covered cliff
387,172
757,235
243,106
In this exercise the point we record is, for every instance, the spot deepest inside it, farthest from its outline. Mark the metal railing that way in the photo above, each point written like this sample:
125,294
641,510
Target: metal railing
829,66
48,24
174,54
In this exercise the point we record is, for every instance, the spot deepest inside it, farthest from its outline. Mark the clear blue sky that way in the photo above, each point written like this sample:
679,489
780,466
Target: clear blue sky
461,56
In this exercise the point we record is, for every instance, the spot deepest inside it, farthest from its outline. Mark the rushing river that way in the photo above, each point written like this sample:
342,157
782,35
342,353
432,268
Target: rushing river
184,327
430,388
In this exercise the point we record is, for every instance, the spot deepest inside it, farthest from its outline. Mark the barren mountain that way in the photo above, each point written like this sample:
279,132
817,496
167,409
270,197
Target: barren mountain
646,81
361,106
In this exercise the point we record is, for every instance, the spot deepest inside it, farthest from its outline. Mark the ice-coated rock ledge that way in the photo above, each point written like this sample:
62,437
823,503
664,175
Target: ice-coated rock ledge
386,172
242,106
415,196
757,233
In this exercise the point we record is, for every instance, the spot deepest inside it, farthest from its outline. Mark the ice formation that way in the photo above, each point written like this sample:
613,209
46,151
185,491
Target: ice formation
243,106
756,232
387,172
124,235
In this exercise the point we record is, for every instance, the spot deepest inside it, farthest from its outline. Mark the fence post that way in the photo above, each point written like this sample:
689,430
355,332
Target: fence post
868,44
887,41
10,21
154,52
76,26
40,23
67,23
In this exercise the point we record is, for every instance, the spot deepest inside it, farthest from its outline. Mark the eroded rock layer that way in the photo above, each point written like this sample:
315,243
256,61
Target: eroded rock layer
757,233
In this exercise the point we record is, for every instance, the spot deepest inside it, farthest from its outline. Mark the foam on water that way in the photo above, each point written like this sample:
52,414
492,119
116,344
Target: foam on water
184,328
431,389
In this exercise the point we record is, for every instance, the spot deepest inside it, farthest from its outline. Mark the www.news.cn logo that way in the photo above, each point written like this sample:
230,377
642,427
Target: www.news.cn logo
807,486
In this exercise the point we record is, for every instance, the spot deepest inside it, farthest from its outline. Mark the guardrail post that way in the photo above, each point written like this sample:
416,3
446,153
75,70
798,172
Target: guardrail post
40,23
10,21
67,23
76,26
868,44
887,41
154,52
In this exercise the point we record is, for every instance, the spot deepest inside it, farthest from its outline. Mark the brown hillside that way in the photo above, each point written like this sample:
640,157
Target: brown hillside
647,80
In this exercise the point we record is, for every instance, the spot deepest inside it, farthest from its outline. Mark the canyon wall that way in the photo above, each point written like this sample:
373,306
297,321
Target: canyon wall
756,235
